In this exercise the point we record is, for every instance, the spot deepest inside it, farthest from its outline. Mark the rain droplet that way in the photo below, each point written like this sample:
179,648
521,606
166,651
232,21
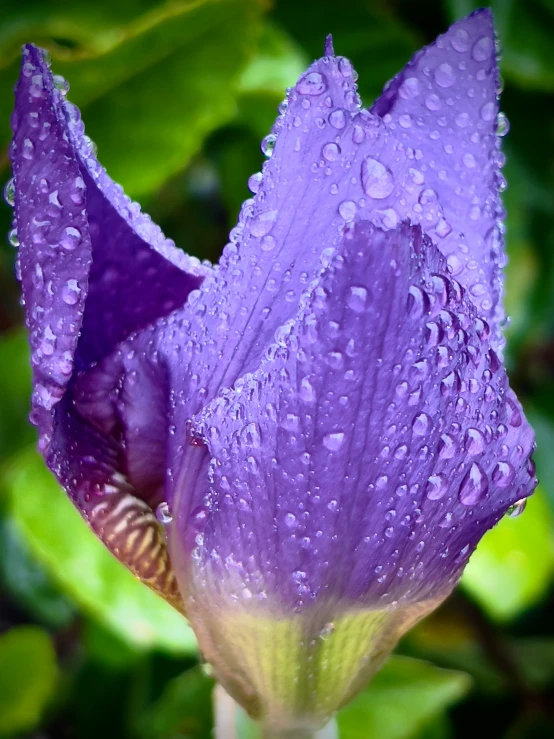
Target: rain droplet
348,210
163,514
502,124
410,88
474,485
377,180
503,474
268,144
70,239
334,441
13,238
60,83
9,192
421,424
254,182
433,102
263,223
482,49
331,152
444,75
267,243
460,41
488,111
71,292
337,119
447,447
357,299
469,160
517,508
28,149
475,442
312,83
436,487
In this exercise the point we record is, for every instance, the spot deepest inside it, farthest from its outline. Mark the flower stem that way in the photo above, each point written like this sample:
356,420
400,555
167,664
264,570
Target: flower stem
232,722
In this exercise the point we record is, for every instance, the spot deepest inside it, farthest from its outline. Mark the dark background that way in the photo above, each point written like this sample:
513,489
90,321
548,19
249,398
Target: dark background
177,95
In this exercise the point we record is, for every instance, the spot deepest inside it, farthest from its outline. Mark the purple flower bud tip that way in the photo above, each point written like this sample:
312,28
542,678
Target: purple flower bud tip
302,447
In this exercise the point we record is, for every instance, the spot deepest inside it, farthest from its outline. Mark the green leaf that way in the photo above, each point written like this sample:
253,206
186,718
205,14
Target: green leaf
183,709
83,566
153,83
514,563
402,700
28,674
15,378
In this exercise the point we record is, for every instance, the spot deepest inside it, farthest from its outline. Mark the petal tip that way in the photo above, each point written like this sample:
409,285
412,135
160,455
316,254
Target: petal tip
328,48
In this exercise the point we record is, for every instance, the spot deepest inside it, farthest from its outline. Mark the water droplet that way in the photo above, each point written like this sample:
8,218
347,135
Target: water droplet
469,160
312,83
254,182
267,243
334,441
357,299
433,102
28,149
358,134
13,238
331,152
517,508
410,88
263,223
71,292
60,83
475,442
421,424
338,119
327,630
307,392
488,111
377,180
447,447
428,196
348,210
163,513
9,192
460,40
502,124
474,485
444,75
455,265
405,120
482,49
268,144
70,239
436,487
418,302
503,474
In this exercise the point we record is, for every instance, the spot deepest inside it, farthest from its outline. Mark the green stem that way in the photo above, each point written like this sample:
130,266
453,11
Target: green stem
232,722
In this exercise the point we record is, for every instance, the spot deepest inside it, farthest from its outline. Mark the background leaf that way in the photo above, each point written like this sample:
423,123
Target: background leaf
85,568
28,674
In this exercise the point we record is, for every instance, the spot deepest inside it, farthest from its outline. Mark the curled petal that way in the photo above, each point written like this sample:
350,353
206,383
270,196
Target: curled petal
443,110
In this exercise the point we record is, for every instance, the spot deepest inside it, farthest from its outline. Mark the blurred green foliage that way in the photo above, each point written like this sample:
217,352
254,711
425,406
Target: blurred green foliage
177,94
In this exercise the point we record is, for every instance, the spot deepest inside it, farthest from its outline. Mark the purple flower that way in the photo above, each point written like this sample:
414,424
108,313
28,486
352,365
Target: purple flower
320,427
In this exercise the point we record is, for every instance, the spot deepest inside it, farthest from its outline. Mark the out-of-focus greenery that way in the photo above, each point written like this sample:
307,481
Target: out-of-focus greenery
177,95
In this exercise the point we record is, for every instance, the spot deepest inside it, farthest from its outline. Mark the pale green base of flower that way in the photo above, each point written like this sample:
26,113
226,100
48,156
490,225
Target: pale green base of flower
232,722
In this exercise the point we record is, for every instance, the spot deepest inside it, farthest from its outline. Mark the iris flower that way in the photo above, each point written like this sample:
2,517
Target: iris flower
301,446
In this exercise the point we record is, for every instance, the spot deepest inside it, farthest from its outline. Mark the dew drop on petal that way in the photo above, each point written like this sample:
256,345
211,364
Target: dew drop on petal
436,487
348,210
334,441
517,508
163,513
331,152
377,180
482,49
503,474
312,83
474,485
337,119
444,75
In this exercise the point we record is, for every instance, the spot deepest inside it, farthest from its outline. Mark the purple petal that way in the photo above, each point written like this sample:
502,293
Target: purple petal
372,449
443,110
93,268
